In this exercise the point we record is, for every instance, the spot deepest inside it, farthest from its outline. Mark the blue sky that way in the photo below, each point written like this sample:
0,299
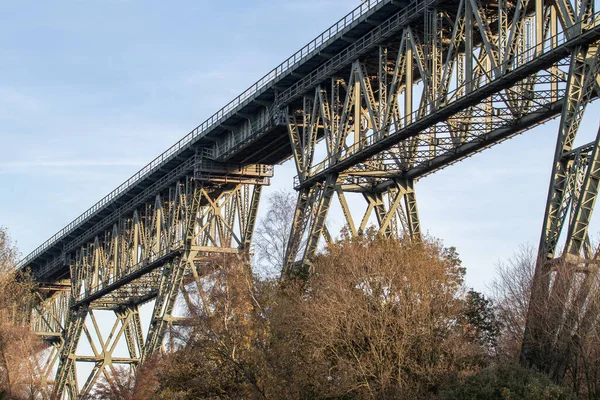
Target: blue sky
90,91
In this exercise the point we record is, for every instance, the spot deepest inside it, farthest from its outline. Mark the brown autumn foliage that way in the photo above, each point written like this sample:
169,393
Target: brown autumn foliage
379,318
17,344
221,355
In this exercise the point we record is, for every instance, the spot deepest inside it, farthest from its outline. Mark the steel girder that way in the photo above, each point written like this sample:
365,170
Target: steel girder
465,78
146,255
502,75
48,312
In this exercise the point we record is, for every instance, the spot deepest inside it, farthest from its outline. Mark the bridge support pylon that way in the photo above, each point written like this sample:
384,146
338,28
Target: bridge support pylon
148,255
47,318
341,117
560,308
392,203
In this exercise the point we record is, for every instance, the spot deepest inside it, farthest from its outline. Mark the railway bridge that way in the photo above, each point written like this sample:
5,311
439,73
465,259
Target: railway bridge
394,91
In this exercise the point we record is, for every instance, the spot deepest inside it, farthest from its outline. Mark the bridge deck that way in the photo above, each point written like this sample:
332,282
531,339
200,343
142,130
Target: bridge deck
264,138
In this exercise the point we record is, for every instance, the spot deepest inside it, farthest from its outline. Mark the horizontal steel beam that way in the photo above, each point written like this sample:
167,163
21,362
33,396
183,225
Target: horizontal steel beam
136,272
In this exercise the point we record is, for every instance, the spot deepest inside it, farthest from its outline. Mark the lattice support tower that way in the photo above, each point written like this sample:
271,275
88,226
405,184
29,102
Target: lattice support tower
145,256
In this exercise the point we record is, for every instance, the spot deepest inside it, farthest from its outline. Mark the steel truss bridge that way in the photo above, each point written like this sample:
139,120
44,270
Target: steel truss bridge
396,90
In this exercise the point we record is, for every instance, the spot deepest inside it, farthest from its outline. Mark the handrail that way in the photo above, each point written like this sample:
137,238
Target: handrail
285,66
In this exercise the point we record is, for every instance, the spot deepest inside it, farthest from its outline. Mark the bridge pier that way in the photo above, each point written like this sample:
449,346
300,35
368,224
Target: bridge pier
559,309
47,319
342,117
146,255
308,225
392,202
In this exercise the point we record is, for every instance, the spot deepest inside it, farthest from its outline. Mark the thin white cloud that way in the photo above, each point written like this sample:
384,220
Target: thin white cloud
15,101
72,163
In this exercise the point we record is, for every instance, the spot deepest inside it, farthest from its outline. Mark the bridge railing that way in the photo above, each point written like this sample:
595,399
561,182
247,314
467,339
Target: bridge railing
288,64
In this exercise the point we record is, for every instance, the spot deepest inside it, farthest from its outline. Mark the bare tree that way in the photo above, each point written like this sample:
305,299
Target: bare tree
273,232
511,290
222,356
17,344
570,333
